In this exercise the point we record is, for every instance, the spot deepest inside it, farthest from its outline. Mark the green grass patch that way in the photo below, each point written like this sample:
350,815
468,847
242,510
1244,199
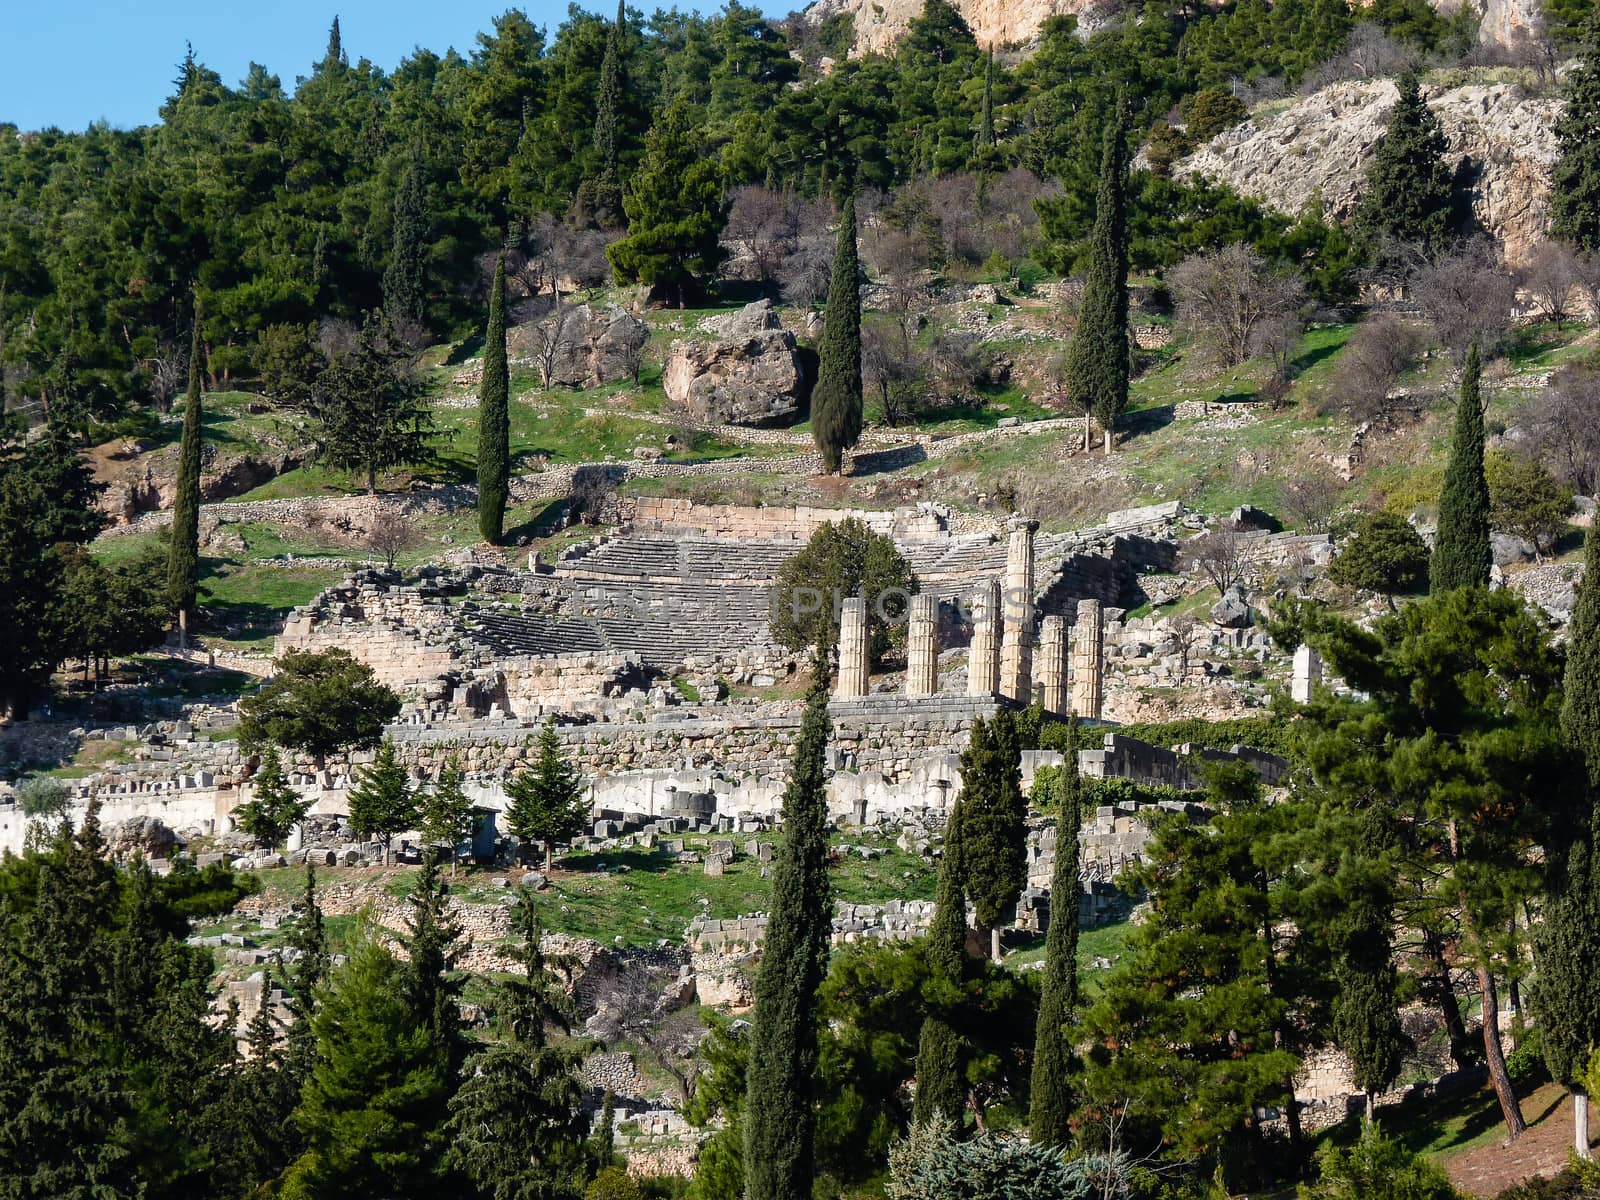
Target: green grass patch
249,603
642,896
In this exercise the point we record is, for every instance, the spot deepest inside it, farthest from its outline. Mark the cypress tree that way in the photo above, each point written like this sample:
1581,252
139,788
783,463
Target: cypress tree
433,985
1566,992
309,973
836,400
994,834
1058,993
1410,196
405,280
183,552
494,417
779,1118
1575,179
1366,1018
1461,553
986,112
1097,359
608,106
941,1054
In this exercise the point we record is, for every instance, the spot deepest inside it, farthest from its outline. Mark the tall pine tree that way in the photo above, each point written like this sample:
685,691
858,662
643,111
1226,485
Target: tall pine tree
517,1123
548,801
675,212
433,985
1566,992
1058,993
183,553
836,399
494,417
1097,359
941,1051
1461,552
405,280
1409,203
1575,179
382,803
370,1107
780,1116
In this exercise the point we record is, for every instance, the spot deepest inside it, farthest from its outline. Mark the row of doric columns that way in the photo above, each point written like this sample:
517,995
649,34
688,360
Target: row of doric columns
1001,659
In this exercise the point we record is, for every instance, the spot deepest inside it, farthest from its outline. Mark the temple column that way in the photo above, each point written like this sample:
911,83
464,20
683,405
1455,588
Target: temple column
983,661
854,650
1016,651
922,646
1088,660
1052,664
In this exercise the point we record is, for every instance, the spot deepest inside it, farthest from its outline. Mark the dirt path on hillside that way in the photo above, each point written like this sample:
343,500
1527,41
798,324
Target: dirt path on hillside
1486,1171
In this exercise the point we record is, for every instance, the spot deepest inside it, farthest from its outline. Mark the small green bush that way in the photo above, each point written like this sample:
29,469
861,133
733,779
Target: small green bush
613,1183
1376,1169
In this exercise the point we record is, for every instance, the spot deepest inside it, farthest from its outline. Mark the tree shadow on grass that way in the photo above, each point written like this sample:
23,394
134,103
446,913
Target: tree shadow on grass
1304,362
1145,421
469,347
654,862
543,522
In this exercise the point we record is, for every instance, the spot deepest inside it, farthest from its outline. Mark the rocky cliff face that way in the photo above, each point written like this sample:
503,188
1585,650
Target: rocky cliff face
1321,145
880,24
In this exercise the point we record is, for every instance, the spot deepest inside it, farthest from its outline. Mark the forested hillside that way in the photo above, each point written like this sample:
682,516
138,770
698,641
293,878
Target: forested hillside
277,203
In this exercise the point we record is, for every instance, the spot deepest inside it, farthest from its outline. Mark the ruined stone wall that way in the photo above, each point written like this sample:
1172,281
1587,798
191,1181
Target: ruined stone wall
661,515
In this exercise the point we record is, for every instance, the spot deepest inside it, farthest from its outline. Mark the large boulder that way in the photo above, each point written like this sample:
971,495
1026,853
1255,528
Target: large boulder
1233,610
751,374
594,348
146,837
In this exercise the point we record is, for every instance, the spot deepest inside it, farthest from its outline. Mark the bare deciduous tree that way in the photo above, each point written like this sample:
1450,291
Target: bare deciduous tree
1218,555
1467,296
1553,279
1562,429
645,1005
592,486
890,372
550,257
391,536
762,228
807,268
1233,299
1368,53
1185,632
550,336
1311,501
169,373
1382,349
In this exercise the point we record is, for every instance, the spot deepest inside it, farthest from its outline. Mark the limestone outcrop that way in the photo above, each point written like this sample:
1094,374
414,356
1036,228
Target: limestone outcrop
141,481
1321,146
880,24
750,374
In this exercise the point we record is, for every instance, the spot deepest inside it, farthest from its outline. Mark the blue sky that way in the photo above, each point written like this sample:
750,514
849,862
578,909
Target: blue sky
71,62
